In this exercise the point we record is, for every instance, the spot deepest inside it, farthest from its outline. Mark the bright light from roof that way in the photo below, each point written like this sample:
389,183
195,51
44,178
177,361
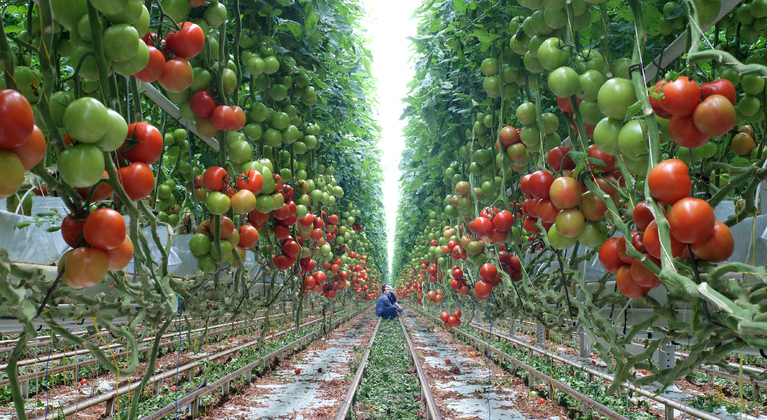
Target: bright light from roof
389,25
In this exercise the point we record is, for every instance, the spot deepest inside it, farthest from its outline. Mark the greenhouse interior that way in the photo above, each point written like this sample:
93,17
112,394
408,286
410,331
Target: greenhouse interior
383,209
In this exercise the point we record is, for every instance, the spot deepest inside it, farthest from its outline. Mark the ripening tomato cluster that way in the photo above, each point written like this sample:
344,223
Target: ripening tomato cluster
22,144
233,239
692,122
435,296
450,321
694,231
99,243
167,61
567,209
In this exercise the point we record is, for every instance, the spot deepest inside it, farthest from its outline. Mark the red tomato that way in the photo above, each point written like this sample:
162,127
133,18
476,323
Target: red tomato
547,211
655,103
202,104
608,255
627,285
137,179
524,186
120,256
105,229
557,155
223,117
669,181
250,180
18,122
154,68
282,262
540,183
565,192
85,267
239,118
503,221
508,136
31,151
248,236
176,75
227,227
482,226
596,153
144,144
72,230
643,215
642,275
529,225
187,42
714,116
680,97
717,247
482,290
216,178
651,242
691,220
722,87
103,190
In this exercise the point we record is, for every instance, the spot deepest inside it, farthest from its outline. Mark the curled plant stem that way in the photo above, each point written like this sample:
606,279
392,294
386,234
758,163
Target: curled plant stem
6,53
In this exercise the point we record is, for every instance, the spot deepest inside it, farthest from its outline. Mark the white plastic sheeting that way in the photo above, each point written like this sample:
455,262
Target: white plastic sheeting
35,245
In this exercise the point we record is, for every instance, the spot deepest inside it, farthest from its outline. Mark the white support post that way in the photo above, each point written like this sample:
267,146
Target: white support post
540,334
584,343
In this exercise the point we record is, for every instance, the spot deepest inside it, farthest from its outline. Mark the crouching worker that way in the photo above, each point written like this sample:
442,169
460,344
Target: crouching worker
384,307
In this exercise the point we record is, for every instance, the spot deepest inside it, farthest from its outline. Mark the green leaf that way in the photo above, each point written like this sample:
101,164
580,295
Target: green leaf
310,21
459,5
22,225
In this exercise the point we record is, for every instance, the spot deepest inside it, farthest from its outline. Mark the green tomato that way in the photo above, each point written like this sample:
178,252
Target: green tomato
253,130
86,120
606,135
264,203
217,202
615,97
135,64
176,9
558,241
531,63
553,53
632,139
215,14
590,112
115,135
564,82
271,64
109,7
202,79
130,14
226,251
590,83
594,234
230,81
526,113
81,165
88,69
69,12
58,105
206,263
240,152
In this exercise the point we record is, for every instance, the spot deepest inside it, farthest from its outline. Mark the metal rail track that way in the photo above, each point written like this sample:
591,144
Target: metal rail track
588,403
710,371
192,400
667,402
188,371
432,412
25,379
346,403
